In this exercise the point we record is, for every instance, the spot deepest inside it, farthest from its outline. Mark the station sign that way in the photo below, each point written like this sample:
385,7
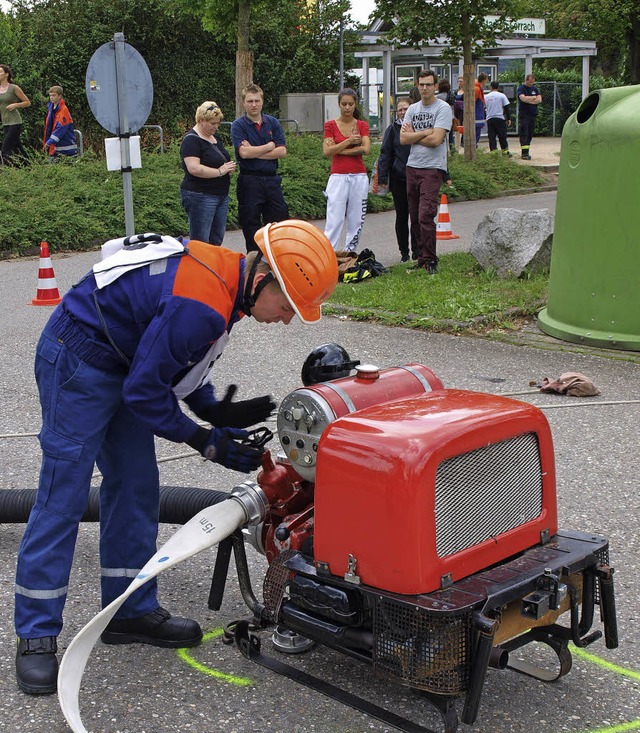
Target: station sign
530,26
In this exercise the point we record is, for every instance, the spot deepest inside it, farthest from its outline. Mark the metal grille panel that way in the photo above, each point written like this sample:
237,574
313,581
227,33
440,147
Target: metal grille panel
486,492
602,557
275,583
423,650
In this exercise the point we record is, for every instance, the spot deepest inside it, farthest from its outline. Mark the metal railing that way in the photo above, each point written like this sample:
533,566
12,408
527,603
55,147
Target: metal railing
157,127
161,133
295,122
80,143
559,101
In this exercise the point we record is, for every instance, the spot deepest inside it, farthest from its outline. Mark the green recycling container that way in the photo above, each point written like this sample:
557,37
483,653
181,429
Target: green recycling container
594,282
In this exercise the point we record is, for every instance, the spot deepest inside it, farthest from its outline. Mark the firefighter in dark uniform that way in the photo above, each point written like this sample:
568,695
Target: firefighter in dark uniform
140,332
259,142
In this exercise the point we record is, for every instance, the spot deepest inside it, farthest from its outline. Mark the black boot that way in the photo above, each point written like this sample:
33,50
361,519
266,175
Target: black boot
37,665
158,628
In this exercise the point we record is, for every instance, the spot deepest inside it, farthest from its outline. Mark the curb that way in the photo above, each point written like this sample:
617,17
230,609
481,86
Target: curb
438,325
513,192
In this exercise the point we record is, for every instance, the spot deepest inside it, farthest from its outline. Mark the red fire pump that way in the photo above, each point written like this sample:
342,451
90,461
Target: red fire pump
414,527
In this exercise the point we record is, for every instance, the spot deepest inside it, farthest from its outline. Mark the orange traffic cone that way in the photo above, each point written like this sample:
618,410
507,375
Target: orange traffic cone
443,227
47,293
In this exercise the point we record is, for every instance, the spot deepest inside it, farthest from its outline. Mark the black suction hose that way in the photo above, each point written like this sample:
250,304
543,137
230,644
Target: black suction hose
177,503
15,505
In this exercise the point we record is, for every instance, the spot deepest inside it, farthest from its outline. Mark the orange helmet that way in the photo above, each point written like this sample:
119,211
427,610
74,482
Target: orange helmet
303,262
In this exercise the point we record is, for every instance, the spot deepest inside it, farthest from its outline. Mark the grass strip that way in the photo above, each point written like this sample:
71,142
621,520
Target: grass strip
462,296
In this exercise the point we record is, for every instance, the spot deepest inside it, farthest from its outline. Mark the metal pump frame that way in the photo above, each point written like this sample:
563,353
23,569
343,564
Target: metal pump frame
541,573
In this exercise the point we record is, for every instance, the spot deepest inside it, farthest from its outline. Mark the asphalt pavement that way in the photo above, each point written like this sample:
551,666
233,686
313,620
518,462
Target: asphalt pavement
213,689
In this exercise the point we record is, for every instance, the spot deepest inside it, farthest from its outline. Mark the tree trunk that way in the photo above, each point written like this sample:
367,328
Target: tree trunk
469,112
244,76
633,35
244,57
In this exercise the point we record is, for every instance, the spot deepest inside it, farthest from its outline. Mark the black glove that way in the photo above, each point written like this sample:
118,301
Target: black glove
223,446
240,414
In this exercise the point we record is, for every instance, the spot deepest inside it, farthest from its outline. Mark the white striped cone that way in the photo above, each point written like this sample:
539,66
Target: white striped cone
443,227
47,292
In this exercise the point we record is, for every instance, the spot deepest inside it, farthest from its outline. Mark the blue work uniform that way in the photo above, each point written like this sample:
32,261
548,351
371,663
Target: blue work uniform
258,189
527,114
117,354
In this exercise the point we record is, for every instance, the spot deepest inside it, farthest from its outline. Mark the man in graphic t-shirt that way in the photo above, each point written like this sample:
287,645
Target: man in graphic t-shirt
426,128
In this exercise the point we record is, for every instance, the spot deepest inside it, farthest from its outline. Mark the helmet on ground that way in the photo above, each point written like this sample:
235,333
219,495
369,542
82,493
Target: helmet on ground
329,361
303,262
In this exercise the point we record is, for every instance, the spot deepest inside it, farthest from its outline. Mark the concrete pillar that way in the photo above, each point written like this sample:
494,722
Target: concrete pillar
386,90
528,64
585,76
366,89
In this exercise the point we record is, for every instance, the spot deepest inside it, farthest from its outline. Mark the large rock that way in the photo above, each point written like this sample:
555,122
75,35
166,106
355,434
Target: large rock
514,242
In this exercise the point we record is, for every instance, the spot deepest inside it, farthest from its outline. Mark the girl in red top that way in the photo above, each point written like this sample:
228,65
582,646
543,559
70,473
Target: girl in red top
346,141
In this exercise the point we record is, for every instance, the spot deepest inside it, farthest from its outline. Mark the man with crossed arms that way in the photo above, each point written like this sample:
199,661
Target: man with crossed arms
426,128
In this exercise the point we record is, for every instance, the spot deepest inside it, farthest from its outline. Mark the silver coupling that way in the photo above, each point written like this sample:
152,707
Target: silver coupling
252,499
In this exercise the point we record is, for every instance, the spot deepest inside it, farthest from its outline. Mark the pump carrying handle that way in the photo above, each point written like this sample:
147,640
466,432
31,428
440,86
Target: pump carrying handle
258,438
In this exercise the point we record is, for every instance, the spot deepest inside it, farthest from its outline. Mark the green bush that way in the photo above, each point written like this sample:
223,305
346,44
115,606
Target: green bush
488,175
74,205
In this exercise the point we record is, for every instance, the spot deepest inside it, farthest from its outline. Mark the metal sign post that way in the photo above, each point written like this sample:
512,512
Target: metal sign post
123,124
120,94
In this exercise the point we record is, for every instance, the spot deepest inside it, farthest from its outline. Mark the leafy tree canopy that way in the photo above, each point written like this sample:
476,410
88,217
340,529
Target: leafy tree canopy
613,24
51,42
298,39
463,22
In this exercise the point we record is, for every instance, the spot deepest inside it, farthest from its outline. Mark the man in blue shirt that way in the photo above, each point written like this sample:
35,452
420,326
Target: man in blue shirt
529,98
259,143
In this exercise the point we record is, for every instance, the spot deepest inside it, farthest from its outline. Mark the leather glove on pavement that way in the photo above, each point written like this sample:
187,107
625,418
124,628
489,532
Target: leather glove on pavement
241,414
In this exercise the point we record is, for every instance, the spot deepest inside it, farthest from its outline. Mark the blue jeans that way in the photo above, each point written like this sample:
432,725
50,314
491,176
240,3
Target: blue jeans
207,215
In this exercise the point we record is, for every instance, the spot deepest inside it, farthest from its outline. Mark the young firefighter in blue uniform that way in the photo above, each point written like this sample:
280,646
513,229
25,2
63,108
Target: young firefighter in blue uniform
59,133
529,98
137,334
259,142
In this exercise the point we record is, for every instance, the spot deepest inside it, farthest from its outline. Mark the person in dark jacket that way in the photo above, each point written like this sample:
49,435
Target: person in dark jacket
59,134
391,169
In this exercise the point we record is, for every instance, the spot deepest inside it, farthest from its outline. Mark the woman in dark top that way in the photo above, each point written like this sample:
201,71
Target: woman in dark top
391,168
207,171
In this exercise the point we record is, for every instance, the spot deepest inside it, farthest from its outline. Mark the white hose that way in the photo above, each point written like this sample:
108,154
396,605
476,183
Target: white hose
205,529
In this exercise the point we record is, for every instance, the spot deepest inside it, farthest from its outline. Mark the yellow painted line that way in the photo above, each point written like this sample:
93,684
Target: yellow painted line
604,664
185,655
634,725
616,669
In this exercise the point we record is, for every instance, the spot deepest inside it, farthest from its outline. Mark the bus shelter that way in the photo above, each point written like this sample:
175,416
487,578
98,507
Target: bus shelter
400,65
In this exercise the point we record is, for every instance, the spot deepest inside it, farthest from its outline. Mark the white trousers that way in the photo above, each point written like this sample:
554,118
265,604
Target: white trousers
346,199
